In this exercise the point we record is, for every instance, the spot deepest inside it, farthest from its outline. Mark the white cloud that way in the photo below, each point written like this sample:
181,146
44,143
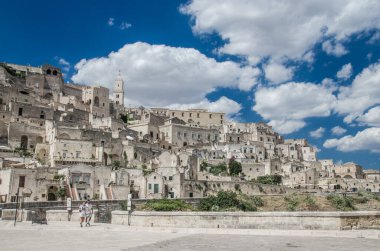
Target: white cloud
111,21
328,83
318,133
64,64
265,28
278,73
248,78
286,126
334,48
362,94
286,106
345,72
223,104
125,25
375,38
337,130
368,139
371,118
159,75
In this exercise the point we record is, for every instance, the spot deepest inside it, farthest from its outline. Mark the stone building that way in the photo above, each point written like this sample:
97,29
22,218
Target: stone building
39,181
200,117
184,135
106,151
97,97
348,171
118,91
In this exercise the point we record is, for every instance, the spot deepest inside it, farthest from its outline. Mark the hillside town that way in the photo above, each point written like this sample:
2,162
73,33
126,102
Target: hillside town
60,140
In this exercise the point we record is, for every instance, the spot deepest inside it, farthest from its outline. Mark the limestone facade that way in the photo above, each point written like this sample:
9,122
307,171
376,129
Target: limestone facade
105,150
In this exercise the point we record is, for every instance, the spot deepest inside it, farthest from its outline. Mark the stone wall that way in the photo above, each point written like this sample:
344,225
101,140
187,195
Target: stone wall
252,220
64,215
9,214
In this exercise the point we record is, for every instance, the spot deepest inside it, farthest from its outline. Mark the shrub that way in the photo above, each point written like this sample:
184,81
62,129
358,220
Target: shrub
167,205
116,165
235,168
368,195
61,193
257,201
226,200
218,169
342,203
270,179
292,201
203,166
310,203
147,172
59,177
237,187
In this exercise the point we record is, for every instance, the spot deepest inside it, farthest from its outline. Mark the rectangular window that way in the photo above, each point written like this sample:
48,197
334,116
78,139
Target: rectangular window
155,188
19,111
149,186
170,177
197,115
13,198
210,116
21,181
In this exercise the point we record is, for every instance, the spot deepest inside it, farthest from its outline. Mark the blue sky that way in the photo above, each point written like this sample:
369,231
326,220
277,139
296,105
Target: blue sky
304,67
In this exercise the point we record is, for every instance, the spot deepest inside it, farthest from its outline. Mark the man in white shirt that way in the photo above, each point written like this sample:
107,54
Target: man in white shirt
88,211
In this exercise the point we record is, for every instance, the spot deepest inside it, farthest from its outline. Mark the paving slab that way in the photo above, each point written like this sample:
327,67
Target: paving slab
70,236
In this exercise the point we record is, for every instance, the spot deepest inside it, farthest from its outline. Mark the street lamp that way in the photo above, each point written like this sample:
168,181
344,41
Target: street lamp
26,193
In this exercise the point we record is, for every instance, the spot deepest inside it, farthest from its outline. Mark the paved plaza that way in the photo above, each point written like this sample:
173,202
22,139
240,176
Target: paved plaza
69,236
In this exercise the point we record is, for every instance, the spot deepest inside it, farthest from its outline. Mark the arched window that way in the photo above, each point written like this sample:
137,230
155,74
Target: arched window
55,72
48,71
39,139
24,142
96,101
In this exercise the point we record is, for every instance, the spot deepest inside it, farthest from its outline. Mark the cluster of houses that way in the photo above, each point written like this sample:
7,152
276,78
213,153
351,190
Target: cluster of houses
62,140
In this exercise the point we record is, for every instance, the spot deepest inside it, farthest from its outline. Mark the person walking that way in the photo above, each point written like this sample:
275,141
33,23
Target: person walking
82,213
89,211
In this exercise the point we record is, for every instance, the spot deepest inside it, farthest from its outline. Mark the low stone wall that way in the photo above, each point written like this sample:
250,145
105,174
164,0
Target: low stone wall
64,215
252,220
9,214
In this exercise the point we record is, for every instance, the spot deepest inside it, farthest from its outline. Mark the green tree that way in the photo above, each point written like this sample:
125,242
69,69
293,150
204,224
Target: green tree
116,165
235,167
124,117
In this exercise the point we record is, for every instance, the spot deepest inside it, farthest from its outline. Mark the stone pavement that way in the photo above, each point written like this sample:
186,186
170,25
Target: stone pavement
69,236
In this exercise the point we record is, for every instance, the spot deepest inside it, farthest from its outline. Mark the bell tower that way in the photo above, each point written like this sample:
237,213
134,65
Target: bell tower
118,90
